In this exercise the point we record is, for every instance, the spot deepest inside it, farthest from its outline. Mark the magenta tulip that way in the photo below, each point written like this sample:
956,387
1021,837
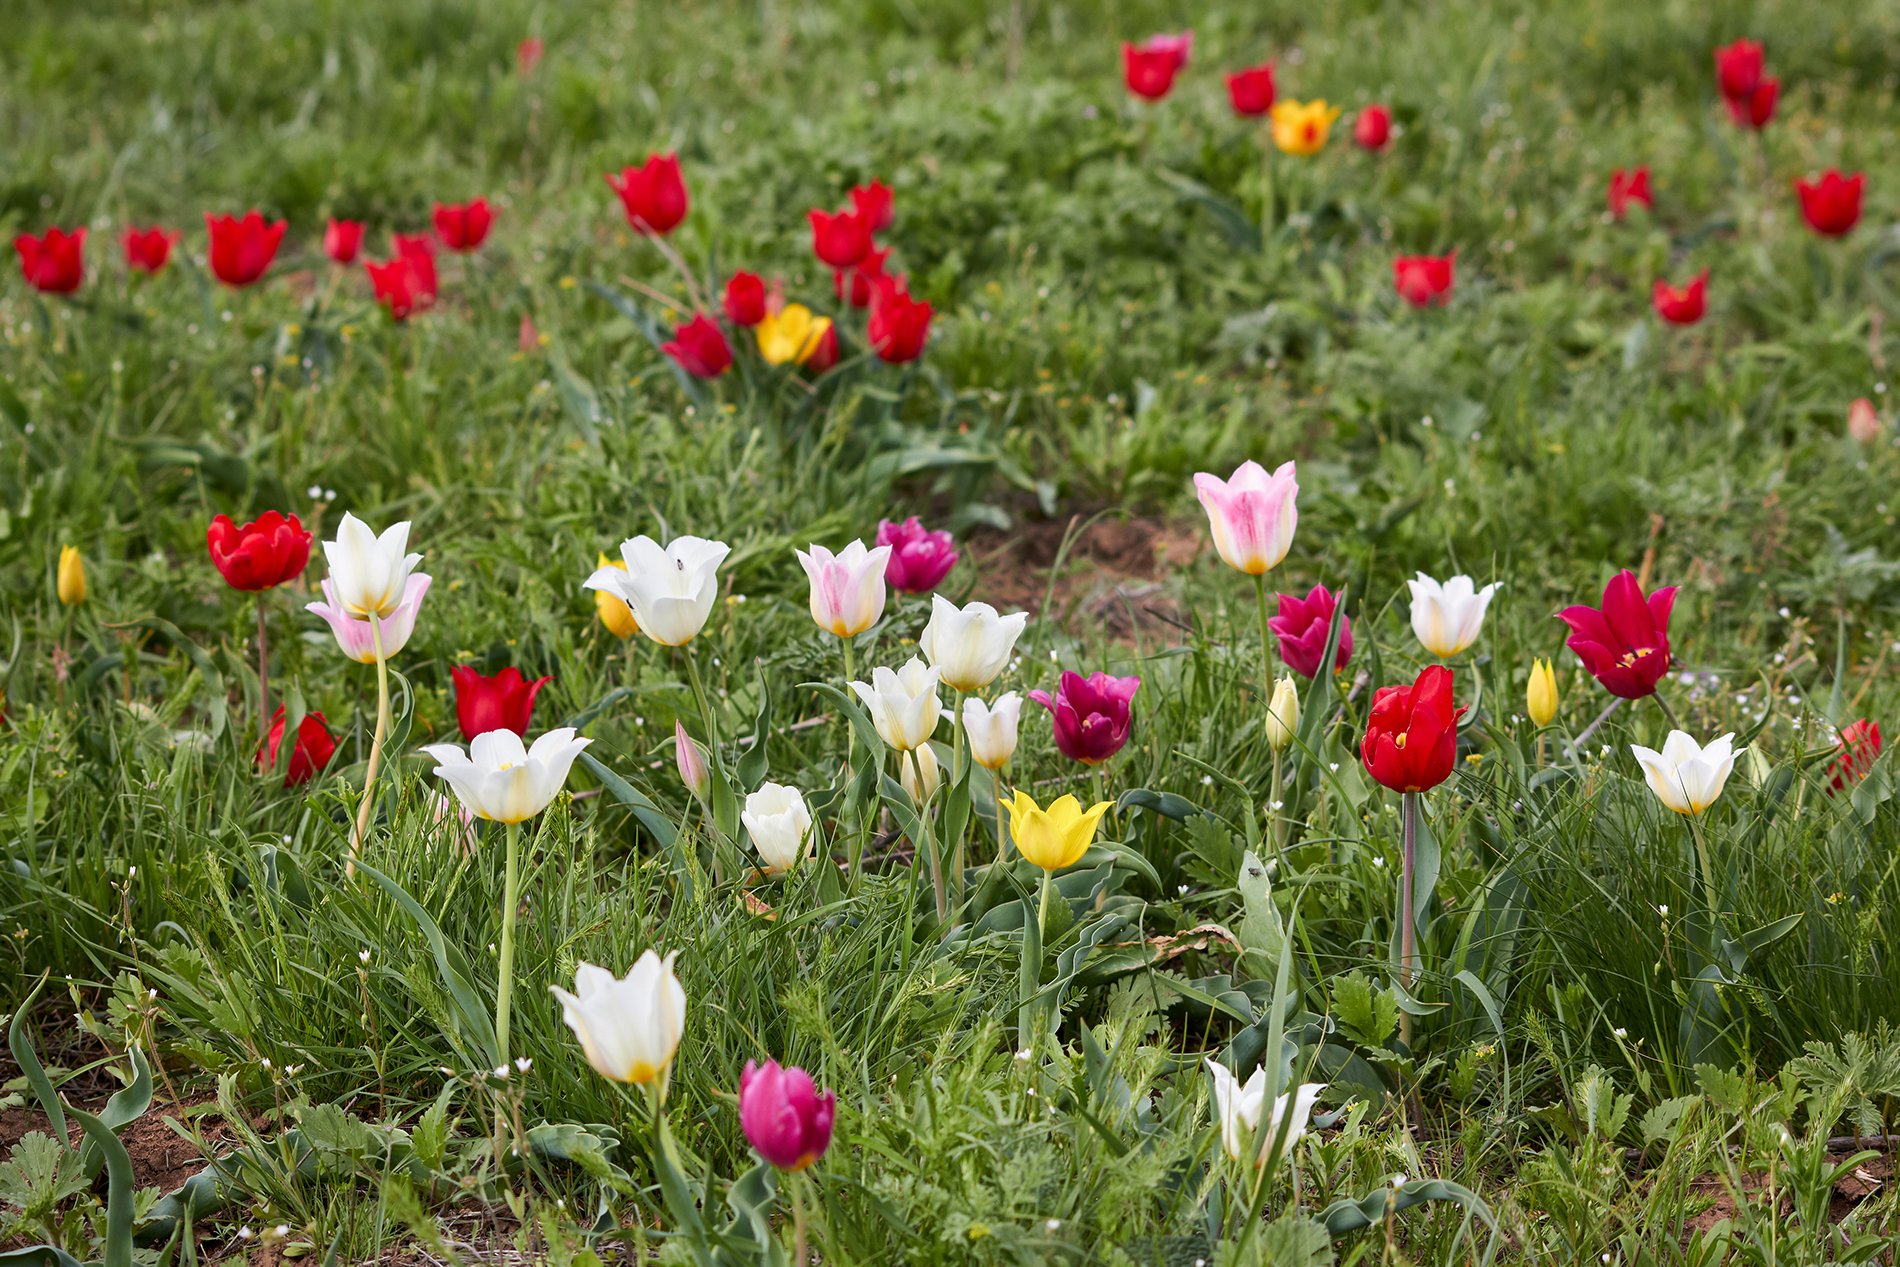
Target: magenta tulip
783,1115
1091,715
1301,628
920,558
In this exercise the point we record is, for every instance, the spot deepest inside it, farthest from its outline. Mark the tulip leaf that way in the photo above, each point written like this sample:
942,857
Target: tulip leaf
473,1023
127,1105
655,337
215,705
1240,228
650,816
751,767
120,1194
20,1043
1347,1215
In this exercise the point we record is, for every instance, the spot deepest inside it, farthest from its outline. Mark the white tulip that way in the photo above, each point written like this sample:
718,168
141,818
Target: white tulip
970,645
1283,714
670,590
629,1027
903,703
1237,1108
502,781
920,774
1685,776
1447,617
369,574
847,588
779,824
992,728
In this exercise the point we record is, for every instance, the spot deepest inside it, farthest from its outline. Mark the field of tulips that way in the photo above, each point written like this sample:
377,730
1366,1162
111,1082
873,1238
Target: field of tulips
959,632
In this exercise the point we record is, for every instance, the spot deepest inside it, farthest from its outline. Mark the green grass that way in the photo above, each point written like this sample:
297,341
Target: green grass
1109,323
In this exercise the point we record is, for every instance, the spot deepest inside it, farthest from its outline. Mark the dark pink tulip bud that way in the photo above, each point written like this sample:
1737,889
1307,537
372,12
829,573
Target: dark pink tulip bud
920,558
784,1117
1301,627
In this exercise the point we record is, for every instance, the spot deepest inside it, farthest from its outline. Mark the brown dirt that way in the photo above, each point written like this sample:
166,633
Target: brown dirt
1865,1182
1113,579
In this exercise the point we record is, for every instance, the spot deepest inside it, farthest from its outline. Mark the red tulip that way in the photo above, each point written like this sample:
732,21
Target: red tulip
860,282
343,240
783,1116
745,299
308,755
418,250
654,195
1373,128
1301,627
405,284
1755,110
242,248
1831,205
841,238
1625,644
1628,187
1251,90
700,347
260,555
1149,68
873,204
1412,733
1091,715
1860,744
1424,280
147,250
54,262
528,55
1738,69
899,324
502,702
920,558
463,226
825,355
1685,306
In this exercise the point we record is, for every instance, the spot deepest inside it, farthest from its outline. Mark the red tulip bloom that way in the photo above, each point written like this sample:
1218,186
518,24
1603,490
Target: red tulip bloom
920,558
1684,306
1149,68
147,250
1860,744
783,1116
1091,715
1373,128
54,262
745,299
1738,69
1412,733
502,702
873,205
654,194
1300,629
308,755
899,324
1625,643
1251,90
1831,205
343,240
242,248
825,355
700,347
418,251
1755,110
841,238
260,555
1424,280
405,284
463,226
528,55
1628,187
858,285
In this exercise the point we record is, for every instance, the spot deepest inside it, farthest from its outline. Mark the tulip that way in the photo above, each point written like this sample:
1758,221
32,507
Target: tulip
1738,68
654,195
920,775
1372,129
745,299
614,613
1755,110
690,759
1412,733
1425,281
54,262
1863,424
780,826
1831,205
629,1027
1056,837
903,703
366,640
147,250
343,240
1625,644
500,780
1860,744
309,754
260,555
419,250
920,558
992,729
502,702
369,571
1237,1108
699,347
899,324
1149,68
969,645
847,588
1446,618
1301,627
824,354
858,284
1251,90
1627,187
1540,695
792,333
1091,716
1252,515
671,589
1684,306
840,238
463,226
784,1118
70,579
528,55
1685,776
396,286
1301,128
872,202
242,248
1283,715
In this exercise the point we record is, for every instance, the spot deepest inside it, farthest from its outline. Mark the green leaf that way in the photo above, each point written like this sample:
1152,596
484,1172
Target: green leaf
474,1025
649,815
119,1188
1262,935
1346,1215
1368,1015
20,1043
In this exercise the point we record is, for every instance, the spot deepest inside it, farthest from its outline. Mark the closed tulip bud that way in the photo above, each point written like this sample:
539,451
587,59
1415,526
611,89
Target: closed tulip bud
500,780
920,774
653,195
783,1116
793,335
629,1027
903,703
1238,1110
1447,617
1425,281
1863,424
1056,837
847,588
745,299
1540,697
242,247
343,240
1252,515
463,226
670,590
970,645
776,818
54,262
615,616
1738,68
1283,715
691,760
1251,91
992,729
1373,128
70,582
1684,305
1685,776
147,250
1301,128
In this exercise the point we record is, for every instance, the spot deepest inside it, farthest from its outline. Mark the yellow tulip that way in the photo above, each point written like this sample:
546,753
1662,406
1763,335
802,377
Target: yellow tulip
72,576
1302,128
1540,697
1056,837
613,609
790,334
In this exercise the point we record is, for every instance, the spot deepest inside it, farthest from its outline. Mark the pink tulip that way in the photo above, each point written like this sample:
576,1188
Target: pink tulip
920,558
784,1117
1091,715
1252,515
1301,628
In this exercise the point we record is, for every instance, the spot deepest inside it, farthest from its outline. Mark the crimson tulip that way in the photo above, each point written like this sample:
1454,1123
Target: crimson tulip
745,299
783,1116
1372,129
899,324
1738,68
343,240
463,226
840,238
1412,733
1627,187
309,754
242,247
858,285
1301,626
1091,715
1251,90
418,250
504,701
700,347
1831,205
1755,110
872,202
825,355
54,262
919,559
1149,68
260,555
1682,306
528,55
1625,643
1860,744
1424,280
399,286
654,194
147,250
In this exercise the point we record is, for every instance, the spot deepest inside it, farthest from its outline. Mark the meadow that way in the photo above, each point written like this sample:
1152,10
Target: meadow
1390,923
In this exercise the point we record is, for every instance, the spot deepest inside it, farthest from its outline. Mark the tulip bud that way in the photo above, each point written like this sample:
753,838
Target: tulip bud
783,1115
72,576
1283,715
779,823
992,729
691,759
1540,697
920,774
1863,424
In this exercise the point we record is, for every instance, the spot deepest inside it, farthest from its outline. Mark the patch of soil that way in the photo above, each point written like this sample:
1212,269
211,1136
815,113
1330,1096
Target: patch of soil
1113,578
1864,1182
161,1158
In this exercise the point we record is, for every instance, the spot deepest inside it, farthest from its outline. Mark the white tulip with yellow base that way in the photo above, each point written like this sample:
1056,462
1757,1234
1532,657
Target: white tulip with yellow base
629,1027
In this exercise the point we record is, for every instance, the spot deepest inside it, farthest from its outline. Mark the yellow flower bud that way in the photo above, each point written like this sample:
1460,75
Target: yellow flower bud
1056,837
1540,697
613,609
72,576
1283,714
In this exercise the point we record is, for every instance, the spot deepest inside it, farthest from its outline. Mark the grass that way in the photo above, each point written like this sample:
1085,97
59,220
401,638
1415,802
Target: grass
1602,1077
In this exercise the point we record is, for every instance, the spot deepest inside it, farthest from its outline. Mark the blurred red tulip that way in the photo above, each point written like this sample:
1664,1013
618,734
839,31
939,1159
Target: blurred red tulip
463,226
1424,280
147,250
1755,110
1251,90
343,240
745,299
53,262
899,324
700,347
262,554
825,355
1738,69
858,285
654,194
528,55
1831,205
1863,424
527,338
504,701
1411,739
873,205
308,755
1860,744
242,248
1628,187
419,250
395,286
1373,128
1149,68
840,238
1684,306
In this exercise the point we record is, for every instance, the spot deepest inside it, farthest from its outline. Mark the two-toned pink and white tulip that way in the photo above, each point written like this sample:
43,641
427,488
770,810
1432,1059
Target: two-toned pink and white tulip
847,588
670,588
1447,617
369,573
992,728
903,703
776,818
372,639
969,645
629,1027
1251,515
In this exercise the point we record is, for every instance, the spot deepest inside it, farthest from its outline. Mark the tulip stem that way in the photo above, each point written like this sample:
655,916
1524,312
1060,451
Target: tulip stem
1708,873
799,1254
1266,198
1669,714
1408,932
263,671
1266,637
375,745
958,761
510,900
